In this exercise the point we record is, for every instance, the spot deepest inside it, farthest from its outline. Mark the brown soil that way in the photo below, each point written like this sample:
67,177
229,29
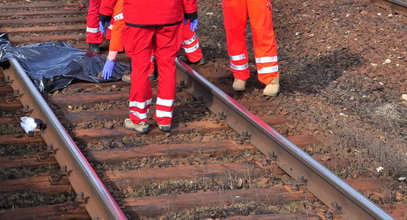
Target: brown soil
343,68
343,72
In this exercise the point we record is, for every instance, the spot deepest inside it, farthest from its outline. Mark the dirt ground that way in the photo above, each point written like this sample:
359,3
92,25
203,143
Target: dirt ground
343,67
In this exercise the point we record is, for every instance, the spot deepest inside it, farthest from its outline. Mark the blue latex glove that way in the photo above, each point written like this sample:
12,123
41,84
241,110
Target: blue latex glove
108,69
194,25
102,25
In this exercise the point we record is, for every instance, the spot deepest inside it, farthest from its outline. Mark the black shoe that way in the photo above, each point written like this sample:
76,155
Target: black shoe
165,128
200,62
94,48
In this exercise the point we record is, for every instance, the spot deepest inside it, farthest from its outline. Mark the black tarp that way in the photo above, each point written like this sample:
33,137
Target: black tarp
55,65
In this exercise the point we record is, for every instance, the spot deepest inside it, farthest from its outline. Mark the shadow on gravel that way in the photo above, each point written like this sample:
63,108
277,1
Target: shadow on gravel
316,74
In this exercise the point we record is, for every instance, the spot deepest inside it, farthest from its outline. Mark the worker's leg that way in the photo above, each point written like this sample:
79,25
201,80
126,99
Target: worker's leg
93,34
264,40
235,21
167,46
190,44
138,46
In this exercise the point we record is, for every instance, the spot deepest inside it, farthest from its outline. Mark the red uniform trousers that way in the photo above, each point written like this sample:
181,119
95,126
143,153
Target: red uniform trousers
236,13
93,33
190,43
139,44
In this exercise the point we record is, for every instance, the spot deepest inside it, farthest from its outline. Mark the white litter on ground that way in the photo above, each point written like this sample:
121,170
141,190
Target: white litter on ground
28,124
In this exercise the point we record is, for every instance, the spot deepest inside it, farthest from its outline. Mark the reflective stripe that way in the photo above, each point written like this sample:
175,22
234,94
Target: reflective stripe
140,105
119,16
165,102
186,42
191,49
266,59
162,114
138,114
110,26
92,30
269,69
239,67
237,57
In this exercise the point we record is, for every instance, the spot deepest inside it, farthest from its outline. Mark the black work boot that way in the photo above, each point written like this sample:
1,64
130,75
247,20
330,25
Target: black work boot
165,128
94,48
200,62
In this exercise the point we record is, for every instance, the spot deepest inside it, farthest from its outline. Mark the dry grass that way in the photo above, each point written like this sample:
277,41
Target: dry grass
390,151
30,199
390,117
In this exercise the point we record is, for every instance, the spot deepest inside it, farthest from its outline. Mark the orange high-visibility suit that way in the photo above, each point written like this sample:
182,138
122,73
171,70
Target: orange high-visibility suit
116,42
236,13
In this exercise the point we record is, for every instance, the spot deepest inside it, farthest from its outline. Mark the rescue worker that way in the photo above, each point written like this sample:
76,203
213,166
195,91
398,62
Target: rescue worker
190,43
154,27
236,13
95,29
110,12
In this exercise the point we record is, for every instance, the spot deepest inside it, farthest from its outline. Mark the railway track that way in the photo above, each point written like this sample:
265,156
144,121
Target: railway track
210,165
399,6
32,185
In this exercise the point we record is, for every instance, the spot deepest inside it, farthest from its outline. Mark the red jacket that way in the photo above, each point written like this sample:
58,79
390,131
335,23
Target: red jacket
158,13
106,9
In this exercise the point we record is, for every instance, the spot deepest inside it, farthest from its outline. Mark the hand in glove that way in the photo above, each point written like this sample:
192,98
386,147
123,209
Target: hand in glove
193,25
108,69
102,26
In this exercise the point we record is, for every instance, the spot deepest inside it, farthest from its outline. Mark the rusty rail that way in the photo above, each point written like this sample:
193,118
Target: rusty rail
399,2
399,6
325,185
87,185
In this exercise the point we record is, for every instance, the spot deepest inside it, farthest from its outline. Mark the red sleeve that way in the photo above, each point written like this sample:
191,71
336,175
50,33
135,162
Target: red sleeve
107,7
190,9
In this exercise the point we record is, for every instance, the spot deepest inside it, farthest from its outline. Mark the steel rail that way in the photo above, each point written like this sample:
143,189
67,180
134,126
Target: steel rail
87,185
398,2
398,6
320,181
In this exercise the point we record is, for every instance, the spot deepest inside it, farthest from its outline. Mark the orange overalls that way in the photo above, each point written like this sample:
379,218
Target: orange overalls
116,42
236,13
